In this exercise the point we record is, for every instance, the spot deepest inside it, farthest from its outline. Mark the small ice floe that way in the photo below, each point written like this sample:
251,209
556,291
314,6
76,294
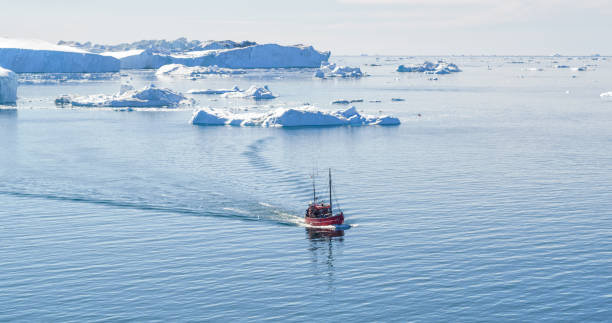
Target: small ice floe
63,100
580,69
291,117
433,79
179,70
8,86
535,69
375,101
254,92
347,101
333,70
606,95
397,99
561,66
211,91
441,67
148,97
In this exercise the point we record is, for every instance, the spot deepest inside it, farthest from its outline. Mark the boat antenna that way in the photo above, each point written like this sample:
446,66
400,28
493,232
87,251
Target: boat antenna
330,194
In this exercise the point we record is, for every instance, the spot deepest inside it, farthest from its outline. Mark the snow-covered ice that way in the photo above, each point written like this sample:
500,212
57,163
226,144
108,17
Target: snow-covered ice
8,86
36,56
212,91
252,56
441,67
291,117
179,70
254,92
148,97
606,95
333,70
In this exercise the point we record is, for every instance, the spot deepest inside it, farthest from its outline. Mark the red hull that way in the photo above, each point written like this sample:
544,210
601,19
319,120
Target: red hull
332,220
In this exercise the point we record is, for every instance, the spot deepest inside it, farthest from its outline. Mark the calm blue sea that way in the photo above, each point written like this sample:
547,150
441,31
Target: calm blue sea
495,204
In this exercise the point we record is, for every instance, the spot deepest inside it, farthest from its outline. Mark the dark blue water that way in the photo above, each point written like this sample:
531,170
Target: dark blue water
495,204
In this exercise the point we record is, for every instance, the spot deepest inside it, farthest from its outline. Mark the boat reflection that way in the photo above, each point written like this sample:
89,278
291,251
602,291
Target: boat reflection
323,244
323,234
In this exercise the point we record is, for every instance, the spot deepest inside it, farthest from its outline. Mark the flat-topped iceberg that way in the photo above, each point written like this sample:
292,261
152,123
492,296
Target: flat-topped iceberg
441,67
178,45
250,56
8,86
35,56
254,92
333,70
291,117
213,91
148,97
179,70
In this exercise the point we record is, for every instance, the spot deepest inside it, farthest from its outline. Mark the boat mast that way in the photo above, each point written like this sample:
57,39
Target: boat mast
314,191
330,195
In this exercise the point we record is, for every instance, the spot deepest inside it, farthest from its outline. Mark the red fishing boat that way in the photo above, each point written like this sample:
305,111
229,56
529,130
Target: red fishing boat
321,214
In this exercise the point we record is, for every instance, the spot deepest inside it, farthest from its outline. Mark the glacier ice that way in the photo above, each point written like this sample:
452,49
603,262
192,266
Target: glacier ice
441,67
252,56
8,86
254,92
178,45
179,70
333,70
290,117
148,97
35,56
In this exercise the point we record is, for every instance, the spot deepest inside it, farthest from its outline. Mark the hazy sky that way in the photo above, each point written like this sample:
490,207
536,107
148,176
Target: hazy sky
409,27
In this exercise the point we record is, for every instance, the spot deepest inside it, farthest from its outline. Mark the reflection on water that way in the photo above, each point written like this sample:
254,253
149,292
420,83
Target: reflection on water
322,245
7,112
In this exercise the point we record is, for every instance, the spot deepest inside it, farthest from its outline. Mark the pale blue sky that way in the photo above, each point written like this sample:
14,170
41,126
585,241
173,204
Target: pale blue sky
409,27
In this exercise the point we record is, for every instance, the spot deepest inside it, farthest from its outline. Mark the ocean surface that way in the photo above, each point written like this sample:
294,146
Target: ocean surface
492,201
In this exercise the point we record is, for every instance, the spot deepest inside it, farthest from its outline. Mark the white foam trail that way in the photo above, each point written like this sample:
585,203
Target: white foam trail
265,204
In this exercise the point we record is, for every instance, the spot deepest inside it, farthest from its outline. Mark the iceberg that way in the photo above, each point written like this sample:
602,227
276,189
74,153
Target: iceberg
441,67
606,95
254,92
291,117
333,70
148,97
164,46
251,55
179,70
217,91
35,56
8,86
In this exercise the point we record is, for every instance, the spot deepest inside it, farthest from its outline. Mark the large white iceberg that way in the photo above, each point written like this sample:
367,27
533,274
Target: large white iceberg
441,67
333,70
253,56
159,45
254,92
148,97
35,56
179,70
8,86
291,117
